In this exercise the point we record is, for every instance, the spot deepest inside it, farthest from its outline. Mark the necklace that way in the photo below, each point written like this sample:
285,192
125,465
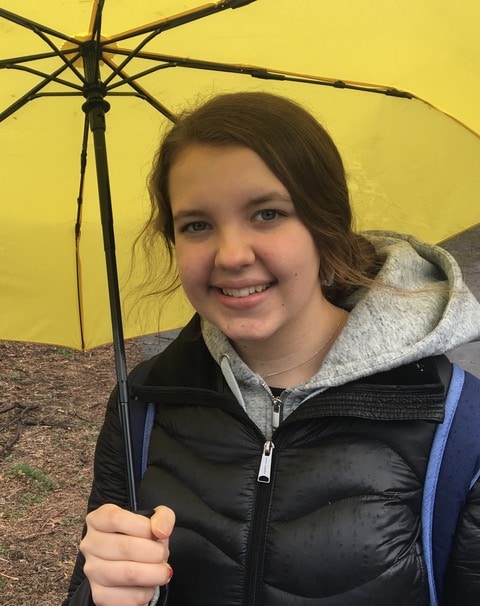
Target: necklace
279,372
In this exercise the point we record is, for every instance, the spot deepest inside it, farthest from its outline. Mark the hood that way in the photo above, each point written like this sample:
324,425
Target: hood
419,306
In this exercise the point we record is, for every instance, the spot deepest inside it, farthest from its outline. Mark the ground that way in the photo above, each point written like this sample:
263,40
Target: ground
52,403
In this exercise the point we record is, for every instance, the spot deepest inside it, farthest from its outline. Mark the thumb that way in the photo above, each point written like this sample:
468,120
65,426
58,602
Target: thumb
162,522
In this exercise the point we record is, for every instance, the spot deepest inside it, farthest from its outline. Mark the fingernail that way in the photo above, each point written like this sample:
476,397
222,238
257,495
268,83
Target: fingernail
161,530
170,571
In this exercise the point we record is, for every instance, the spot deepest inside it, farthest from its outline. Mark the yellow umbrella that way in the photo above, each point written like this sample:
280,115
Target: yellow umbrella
396,84
413,156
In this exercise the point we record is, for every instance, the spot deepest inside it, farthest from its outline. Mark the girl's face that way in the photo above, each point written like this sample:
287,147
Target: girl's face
246,262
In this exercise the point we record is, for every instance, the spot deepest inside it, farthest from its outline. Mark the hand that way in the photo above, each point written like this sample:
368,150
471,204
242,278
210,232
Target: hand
126,554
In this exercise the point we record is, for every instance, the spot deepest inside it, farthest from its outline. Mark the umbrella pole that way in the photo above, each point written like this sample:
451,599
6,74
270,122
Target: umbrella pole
95,107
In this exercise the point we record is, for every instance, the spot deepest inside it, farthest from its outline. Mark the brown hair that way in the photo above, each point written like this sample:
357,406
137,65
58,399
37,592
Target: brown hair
302,155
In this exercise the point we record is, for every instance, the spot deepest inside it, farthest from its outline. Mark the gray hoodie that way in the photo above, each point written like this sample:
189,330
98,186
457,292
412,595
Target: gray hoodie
386,328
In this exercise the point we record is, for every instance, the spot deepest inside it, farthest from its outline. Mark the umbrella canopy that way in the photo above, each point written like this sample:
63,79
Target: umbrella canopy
396,84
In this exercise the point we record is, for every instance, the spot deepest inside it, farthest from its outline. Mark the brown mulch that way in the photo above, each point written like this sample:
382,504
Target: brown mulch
52,403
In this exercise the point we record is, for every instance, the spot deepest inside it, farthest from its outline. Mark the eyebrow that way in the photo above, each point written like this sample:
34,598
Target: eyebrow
273,196
270,197
188,214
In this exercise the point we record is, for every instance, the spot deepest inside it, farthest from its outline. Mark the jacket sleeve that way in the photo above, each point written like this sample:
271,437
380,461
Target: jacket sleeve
109,486
462,581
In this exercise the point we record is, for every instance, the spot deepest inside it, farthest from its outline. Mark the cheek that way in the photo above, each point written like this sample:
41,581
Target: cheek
191,265
183,263
298,259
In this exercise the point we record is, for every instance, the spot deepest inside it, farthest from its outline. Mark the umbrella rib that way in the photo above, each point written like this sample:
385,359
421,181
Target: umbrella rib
96,19
96,37
141,92
78,227
173,61
256,72
129,79
58,52
28,58
273,74
47,77
130,54
34,26
30,95
58,94
70,63
43,32
378,89
157,27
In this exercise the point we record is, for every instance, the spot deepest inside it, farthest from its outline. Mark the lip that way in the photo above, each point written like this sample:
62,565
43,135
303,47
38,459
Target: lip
245,291
243,296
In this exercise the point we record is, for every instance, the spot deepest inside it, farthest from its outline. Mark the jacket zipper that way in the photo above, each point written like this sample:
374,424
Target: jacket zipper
256,545
265,470
277,404
258,532
276,411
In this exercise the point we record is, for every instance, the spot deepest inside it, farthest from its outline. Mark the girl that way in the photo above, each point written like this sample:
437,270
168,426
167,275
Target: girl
296,411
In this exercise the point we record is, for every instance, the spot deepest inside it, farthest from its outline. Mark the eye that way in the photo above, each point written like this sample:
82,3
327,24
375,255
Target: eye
268,214
194,226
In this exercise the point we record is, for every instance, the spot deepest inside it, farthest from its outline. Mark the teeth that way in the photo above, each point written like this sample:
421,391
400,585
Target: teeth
244,292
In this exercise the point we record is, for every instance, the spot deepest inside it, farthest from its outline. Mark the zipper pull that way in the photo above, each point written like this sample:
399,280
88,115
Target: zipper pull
277,407
266,463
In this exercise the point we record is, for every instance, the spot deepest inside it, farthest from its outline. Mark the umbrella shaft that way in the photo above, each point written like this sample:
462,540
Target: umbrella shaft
95,107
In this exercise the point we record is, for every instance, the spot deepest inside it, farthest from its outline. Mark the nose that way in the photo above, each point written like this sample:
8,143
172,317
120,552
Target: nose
234,250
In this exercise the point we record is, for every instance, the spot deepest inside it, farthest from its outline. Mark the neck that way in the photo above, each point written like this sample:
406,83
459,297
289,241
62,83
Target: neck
294,361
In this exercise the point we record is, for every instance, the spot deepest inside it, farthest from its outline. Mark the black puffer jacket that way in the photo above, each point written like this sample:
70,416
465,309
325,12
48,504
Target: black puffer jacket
339,522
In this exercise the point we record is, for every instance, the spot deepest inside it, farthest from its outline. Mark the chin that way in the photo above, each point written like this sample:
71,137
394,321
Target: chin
243,333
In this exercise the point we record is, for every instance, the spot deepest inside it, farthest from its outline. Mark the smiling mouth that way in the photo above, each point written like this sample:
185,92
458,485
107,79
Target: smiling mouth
240,293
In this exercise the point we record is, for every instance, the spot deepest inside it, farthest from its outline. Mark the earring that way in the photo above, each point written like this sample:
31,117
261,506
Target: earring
330,280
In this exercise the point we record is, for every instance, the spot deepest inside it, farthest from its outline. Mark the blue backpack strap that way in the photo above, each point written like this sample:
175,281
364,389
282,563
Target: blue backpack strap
147,432
452,469
142,416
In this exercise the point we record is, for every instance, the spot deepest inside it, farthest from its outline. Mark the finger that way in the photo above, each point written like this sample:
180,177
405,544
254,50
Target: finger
121,596
122,547
162,522
111,518
126,574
